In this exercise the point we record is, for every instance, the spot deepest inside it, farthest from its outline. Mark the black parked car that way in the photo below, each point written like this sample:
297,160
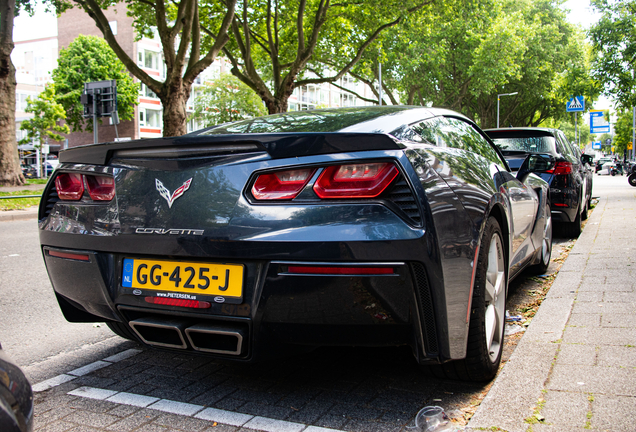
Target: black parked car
16,397
570,193
359,227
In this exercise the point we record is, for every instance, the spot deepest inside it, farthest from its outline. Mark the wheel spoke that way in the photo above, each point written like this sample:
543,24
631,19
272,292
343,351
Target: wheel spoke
491,325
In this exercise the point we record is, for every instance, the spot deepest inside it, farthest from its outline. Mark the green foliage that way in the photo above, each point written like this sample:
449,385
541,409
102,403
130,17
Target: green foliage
88,59
47,114
614,42
460,54
226,99
623,131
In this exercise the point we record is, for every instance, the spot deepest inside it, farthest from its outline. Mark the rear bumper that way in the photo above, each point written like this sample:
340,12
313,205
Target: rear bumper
279,311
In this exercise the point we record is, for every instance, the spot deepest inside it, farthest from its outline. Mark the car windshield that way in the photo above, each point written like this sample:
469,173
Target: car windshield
540,144
302,121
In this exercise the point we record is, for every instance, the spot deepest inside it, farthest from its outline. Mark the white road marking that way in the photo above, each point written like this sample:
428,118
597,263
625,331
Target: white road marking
180,408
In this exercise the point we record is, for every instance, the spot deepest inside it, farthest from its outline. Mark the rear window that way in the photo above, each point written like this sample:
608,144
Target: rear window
304,121
540,144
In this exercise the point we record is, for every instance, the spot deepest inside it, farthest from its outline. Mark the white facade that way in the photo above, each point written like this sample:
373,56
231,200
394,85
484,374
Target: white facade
34,60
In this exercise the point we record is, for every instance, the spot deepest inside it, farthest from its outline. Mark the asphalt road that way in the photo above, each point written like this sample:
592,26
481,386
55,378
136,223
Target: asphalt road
32,328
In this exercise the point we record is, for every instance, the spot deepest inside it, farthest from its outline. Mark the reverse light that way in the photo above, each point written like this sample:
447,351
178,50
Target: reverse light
561,168
69,186
100,188
281,185
332,270
178,302
367,180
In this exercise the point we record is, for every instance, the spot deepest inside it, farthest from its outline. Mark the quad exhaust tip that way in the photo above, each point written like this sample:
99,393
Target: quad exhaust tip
210,338
219,339
163,333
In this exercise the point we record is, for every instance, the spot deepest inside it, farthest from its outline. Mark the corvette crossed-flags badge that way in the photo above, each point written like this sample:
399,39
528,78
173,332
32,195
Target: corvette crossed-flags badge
165,193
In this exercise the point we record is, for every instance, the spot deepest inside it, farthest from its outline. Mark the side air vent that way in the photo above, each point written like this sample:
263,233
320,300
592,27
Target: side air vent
402,196
425,303
49,199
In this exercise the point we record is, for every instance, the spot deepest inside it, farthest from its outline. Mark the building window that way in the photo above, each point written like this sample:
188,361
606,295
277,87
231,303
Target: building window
145,91
153,118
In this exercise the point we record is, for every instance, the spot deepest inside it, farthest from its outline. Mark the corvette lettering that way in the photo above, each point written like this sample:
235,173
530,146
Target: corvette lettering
169,231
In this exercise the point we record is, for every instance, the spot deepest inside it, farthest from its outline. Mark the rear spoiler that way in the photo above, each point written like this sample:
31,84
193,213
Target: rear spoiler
278,146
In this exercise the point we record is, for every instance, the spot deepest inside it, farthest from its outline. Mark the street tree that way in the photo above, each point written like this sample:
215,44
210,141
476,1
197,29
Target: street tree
10,172
88,59
277,43
614,41
47,114
461,54
622,131
224,100
45,123
186,51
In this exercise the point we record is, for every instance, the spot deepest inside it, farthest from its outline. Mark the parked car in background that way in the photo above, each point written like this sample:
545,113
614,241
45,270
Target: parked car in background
16,397
569,194
376,226
602,161
586,170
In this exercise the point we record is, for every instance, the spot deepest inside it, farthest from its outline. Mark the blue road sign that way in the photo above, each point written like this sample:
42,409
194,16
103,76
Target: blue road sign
576,104
596,145
598,124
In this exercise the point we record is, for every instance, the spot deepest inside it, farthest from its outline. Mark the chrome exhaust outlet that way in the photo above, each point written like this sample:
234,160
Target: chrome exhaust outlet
163,333
219,338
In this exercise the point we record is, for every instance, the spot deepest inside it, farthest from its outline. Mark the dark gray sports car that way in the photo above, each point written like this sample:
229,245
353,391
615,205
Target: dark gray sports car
361,226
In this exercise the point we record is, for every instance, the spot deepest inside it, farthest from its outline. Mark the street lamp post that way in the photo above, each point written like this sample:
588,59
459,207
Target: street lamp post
498,96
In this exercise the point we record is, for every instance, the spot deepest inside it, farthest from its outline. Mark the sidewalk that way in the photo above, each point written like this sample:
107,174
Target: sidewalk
575,368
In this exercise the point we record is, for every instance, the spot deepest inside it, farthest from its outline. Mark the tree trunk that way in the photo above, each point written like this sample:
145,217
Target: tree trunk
174,102
10,172
278,105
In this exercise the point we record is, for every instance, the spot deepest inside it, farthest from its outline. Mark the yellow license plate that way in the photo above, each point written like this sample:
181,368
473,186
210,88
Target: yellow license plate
186,277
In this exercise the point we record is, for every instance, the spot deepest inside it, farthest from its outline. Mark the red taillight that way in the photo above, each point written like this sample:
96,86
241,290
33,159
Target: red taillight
561,168
69,186
366,180
100,188
282,184
340,270
178,302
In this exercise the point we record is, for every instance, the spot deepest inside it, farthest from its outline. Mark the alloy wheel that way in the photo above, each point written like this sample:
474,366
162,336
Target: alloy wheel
495,298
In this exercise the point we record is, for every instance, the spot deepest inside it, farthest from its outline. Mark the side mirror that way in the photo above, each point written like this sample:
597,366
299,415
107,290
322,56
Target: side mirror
535,162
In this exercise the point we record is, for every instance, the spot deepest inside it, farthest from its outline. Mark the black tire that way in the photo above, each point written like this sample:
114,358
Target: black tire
613,173
483,353
632,179
120,329
573,229
546,247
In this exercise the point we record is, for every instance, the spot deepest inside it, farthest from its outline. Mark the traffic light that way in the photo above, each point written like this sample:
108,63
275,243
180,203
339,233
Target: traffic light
100,98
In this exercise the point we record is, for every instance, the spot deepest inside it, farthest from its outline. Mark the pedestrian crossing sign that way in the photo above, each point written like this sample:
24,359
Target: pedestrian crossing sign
576,104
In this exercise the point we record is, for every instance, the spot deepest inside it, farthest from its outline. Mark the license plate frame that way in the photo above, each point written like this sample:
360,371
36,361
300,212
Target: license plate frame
223,282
